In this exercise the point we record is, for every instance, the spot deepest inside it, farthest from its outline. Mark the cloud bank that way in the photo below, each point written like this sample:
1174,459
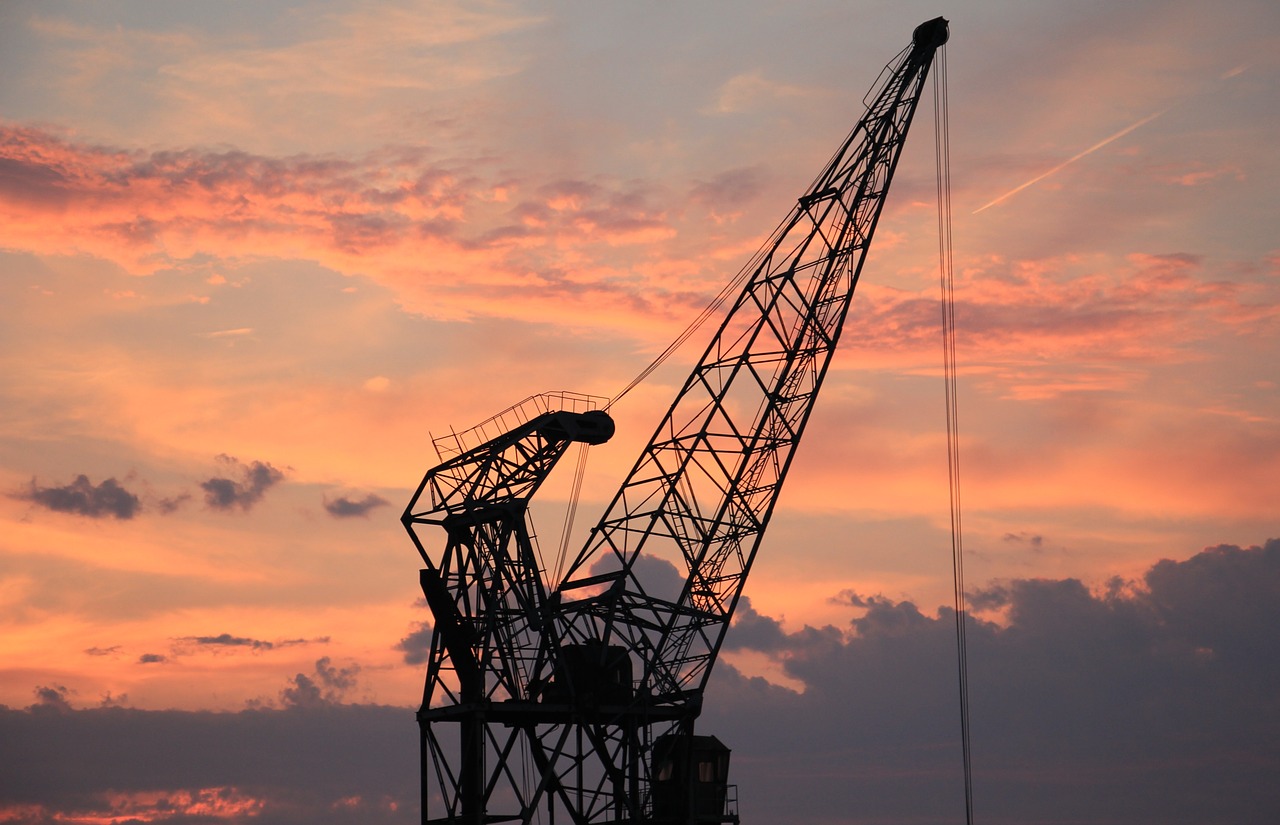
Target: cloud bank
1153,701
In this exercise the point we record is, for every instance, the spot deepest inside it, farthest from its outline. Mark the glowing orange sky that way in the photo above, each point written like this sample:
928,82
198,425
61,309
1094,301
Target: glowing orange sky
308,242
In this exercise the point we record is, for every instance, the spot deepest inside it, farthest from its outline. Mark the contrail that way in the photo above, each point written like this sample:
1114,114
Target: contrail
1095,147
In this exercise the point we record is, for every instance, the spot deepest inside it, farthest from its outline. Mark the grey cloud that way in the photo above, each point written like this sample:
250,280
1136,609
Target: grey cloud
659,577
83,498
989,598
152,659
319,640
1155,701
187,645
226,640
417,645
344,507
328,685
855,599
227,493
754,631
327,765
52,698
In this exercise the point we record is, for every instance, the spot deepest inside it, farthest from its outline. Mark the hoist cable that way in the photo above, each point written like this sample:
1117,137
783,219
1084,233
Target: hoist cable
707,312
575,493
942,149
712,308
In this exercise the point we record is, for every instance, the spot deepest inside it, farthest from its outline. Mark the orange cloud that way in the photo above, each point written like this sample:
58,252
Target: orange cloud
1036,329
434,233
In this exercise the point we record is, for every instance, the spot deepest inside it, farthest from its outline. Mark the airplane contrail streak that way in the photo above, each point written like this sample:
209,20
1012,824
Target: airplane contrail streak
1095,147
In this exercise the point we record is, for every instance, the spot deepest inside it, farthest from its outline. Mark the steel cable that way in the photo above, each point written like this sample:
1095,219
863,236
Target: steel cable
942,148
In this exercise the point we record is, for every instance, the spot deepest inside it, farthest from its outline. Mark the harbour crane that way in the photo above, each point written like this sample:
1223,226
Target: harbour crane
575,701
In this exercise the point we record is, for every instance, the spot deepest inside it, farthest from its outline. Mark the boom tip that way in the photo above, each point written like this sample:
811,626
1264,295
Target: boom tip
931,34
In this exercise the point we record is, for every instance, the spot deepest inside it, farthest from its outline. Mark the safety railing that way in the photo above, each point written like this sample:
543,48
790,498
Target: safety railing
455,443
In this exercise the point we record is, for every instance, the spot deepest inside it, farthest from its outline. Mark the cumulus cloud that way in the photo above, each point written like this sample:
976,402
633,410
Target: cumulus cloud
754,631
327,685
1156,695
52,698
417,645
345,507
221,493
83,498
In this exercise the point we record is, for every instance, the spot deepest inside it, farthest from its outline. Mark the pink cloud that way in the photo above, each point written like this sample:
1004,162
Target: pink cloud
589,254
1099,319
435,233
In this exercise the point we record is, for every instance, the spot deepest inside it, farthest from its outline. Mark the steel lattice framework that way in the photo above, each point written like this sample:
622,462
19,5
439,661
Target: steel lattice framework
547,701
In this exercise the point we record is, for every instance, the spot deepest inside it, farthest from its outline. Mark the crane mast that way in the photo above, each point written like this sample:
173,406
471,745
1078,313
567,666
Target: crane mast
576,700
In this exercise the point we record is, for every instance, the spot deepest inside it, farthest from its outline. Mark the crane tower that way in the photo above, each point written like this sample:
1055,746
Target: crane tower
575,701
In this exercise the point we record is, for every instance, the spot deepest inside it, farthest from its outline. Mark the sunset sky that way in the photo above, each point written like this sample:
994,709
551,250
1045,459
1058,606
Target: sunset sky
253,254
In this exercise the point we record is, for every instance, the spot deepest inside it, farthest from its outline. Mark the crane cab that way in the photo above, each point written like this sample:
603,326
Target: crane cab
691,780
591,674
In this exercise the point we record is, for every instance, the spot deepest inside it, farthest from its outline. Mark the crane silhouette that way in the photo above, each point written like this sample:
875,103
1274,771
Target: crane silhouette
575,701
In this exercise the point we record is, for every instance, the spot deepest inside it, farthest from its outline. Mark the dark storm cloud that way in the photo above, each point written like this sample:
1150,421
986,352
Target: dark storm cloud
254,480
1154,701
83,498
343,507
